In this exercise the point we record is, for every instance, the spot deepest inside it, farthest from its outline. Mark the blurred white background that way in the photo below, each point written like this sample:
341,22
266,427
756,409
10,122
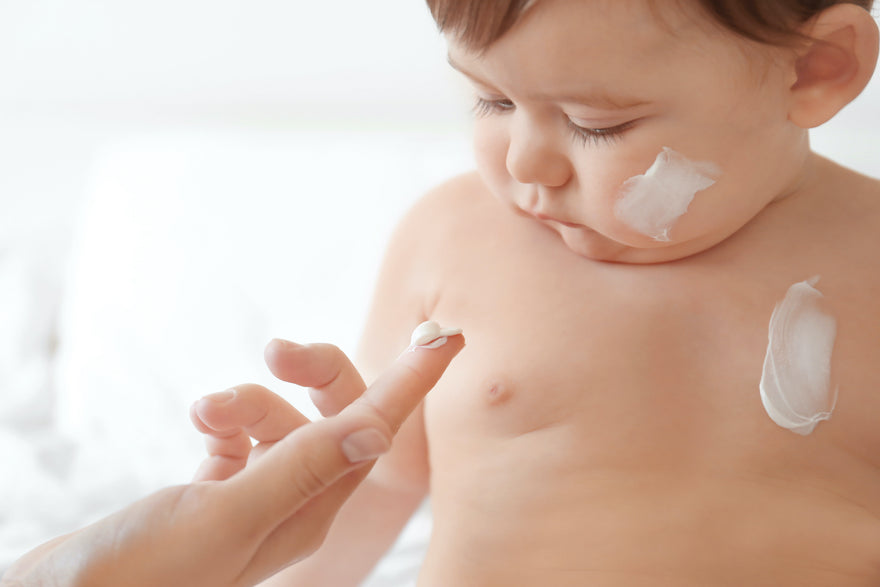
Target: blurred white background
180,181
79,74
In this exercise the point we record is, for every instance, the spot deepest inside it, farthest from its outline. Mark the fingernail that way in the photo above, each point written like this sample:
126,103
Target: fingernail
365,445
221,397
286,344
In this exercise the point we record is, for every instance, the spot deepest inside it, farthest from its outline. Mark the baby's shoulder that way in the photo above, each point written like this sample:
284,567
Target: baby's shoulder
855,202
841,240
438,234
445,218
862,191
454,201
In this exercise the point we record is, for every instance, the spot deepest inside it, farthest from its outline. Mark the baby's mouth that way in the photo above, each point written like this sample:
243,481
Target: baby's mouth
547,218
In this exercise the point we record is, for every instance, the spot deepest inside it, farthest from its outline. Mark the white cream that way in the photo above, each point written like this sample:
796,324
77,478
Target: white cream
651,203
429,335
796,382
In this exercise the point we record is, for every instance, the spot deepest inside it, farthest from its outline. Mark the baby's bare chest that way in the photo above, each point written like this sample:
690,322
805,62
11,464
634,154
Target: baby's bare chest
614,350
602,360
586,407
641,364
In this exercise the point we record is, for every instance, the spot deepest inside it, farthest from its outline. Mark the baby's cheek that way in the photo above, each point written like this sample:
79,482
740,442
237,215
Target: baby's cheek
652,203
599,192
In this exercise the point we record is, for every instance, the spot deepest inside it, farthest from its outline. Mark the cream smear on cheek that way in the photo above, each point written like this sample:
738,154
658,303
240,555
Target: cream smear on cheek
430,335
652,202
796,382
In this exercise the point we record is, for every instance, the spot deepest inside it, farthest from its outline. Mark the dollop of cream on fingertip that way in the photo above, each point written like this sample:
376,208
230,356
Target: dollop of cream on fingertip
796,380
430,335
652,202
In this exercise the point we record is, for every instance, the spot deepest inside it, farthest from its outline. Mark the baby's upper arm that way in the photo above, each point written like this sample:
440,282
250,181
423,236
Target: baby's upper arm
407,287
416,263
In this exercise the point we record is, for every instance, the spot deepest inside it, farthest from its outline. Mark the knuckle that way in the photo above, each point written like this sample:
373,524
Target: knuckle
373,409
308,479
329,365
412,375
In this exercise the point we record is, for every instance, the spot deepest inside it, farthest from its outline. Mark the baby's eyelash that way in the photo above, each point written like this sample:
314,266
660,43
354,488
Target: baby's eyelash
599,135
484,107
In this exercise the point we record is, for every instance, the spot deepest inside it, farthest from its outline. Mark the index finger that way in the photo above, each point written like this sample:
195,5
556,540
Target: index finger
400,389
315,456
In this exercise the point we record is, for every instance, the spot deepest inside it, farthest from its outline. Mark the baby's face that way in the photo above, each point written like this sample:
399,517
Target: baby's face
580,97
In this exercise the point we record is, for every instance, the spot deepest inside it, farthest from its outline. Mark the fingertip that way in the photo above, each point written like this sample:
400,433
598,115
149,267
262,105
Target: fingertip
400,389
211,412
196,419
278,345
278,353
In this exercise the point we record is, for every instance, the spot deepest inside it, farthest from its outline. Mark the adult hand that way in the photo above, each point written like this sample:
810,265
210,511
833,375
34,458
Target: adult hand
236,525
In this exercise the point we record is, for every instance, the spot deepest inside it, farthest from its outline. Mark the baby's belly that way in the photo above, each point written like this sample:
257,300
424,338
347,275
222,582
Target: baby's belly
523,516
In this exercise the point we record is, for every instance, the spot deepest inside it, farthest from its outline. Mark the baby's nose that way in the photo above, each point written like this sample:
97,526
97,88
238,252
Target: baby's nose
533,157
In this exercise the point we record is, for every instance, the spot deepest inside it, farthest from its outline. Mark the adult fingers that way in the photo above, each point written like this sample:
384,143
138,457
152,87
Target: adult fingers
261,414
229,419
397,391
334,380
314,457
227,455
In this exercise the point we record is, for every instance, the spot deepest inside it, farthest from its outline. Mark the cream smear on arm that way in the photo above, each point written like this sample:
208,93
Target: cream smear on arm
652,202
430,335
796,382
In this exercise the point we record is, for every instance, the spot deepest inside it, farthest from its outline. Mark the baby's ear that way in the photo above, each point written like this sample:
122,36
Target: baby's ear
835,66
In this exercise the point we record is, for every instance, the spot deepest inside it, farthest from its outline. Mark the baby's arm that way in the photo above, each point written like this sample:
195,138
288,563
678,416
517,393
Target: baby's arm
369,523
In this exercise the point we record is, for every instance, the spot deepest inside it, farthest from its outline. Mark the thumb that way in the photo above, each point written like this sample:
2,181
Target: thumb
315,456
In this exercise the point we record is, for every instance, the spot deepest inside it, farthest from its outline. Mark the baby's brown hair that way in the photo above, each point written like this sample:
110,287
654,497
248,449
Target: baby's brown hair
479,23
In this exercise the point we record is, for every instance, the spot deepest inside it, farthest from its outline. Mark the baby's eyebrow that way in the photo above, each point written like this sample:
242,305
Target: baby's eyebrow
595,99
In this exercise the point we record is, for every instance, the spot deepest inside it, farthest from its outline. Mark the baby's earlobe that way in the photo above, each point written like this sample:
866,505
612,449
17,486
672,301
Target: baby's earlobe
833,69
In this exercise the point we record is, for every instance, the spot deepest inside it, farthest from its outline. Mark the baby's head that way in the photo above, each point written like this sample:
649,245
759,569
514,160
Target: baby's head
607,119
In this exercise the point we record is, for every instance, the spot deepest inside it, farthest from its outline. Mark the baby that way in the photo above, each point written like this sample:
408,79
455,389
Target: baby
656,389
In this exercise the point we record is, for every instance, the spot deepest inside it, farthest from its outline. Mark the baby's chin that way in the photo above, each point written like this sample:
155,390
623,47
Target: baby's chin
590,244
